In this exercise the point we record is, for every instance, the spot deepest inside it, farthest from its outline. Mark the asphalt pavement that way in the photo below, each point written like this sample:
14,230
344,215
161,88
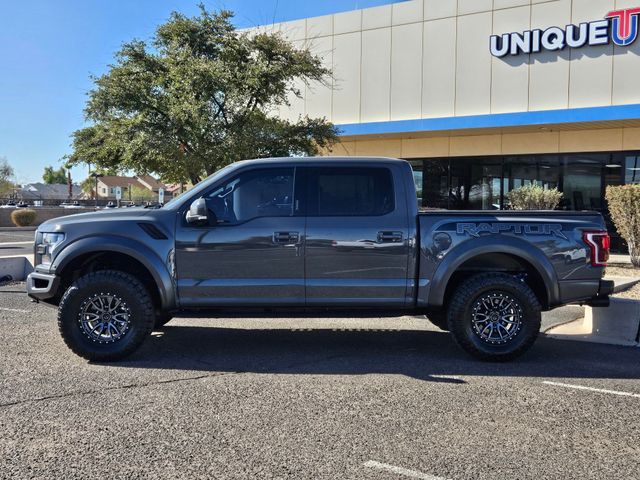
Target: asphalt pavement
8,236
310,398
16,243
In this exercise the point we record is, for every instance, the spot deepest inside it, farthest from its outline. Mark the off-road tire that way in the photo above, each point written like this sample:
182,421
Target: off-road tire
460,316
125,286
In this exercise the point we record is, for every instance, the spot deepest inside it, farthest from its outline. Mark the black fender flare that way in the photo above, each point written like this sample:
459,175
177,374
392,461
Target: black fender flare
493,244
111,243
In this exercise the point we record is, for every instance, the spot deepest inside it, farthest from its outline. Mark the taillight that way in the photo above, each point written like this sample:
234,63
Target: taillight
599,243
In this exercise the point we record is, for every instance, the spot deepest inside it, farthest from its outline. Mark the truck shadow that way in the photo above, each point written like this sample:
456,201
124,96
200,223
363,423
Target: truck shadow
419,354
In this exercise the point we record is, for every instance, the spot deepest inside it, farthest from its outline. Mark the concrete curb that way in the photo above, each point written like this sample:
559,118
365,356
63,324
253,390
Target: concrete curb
617,325
623,283
17,267
18,229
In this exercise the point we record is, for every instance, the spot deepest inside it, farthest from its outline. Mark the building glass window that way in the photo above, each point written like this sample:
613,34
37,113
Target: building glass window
632,169
418,179
582,181
436,184
531,170
482,183
475,184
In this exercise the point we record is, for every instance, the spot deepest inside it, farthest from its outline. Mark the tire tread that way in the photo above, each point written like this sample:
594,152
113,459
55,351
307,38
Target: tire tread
125,280
468,289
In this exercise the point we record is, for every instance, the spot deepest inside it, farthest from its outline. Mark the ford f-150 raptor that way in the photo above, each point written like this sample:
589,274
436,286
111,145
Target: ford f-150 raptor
324,234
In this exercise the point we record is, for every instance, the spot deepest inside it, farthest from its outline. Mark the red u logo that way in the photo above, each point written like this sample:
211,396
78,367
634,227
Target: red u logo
624,26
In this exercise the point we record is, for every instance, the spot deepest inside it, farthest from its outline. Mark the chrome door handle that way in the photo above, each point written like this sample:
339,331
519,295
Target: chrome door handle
286,237
389,237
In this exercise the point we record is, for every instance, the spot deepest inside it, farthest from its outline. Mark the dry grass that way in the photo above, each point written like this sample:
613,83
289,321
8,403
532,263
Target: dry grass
632,293
622,270
625,270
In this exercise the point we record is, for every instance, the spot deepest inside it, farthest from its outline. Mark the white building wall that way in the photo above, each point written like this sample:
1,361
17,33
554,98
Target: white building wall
406,71
590,78
549,71
430,58
473,61
439,67
375,100
626,67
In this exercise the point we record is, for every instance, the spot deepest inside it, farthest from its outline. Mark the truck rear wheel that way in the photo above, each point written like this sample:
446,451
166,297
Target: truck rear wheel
105,316
494,316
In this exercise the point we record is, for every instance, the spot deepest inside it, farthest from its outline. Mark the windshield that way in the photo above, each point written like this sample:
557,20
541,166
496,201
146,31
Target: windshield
203,185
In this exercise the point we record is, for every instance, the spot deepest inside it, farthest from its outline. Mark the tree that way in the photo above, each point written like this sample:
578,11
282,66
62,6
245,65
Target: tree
142,194
6,177
52,176
201,96
88,185
624,207
534,197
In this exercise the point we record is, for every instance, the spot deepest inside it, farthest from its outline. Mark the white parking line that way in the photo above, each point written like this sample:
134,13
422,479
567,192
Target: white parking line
401,471
14,310
591,389
16,243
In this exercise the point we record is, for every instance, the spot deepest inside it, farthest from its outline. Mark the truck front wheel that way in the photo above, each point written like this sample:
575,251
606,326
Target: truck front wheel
105,315
494,316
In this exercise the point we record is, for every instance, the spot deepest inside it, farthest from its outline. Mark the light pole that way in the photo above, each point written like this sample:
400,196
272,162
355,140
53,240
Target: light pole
96,176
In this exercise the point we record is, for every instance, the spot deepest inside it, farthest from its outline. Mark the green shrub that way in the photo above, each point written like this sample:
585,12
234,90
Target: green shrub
534,197
23,217
624,207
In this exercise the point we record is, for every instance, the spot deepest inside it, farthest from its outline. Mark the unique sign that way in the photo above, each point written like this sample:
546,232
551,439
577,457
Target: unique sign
619,26
161,195
477,229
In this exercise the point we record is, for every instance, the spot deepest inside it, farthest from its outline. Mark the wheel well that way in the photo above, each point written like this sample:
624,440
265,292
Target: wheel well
106,260
503,263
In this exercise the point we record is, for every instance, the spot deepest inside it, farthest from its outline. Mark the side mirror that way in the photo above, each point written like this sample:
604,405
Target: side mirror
198,214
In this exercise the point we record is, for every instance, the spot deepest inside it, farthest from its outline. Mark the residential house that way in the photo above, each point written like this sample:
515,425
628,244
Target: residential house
108,184
46,192
174,189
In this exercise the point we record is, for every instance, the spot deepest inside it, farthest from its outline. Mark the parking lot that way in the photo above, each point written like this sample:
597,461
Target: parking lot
16,243
310,398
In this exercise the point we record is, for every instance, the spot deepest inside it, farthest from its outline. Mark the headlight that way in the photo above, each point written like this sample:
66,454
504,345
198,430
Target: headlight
48,244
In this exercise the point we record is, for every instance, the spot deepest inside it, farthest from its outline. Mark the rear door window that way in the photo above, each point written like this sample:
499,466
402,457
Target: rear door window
349,192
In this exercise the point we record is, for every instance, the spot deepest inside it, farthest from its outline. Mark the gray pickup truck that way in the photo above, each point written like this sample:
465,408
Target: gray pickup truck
338,235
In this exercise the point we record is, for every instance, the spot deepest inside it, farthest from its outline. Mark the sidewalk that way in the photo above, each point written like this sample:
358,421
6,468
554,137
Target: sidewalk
621,259
618,324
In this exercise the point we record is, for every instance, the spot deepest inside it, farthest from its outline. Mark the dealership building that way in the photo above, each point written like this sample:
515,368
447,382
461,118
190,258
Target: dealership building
484,96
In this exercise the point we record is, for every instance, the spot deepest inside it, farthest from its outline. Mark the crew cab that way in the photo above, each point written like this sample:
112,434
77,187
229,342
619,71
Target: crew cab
324,234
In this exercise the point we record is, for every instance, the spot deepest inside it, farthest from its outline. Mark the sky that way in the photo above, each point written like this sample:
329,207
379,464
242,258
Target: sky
50,48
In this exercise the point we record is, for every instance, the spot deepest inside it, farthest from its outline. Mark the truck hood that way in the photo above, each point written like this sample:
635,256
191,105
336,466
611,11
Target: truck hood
118,215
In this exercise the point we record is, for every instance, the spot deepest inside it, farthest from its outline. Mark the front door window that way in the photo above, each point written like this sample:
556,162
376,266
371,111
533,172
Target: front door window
253,194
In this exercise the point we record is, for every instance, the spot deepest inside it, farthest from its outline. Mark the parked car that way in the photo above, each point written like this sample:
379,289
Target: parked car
73,205
321,234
